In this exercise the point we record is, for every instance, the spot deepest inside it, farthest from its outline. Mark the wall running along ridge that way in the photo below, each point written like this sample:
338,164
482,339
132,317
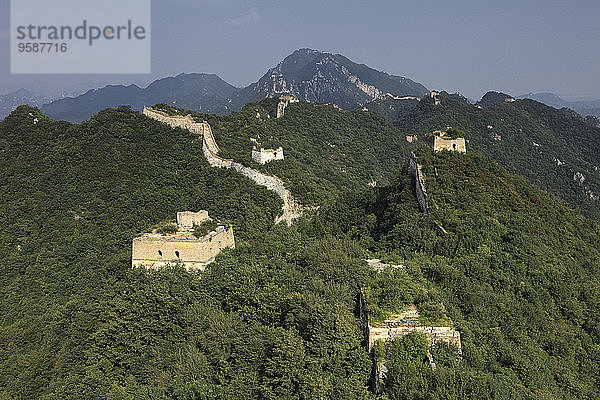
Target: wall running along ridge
292,209
283,103
415,169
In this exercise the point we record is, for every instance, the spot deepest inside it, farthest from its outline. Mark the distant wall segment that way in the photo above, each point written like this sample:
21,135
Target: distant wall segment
292,209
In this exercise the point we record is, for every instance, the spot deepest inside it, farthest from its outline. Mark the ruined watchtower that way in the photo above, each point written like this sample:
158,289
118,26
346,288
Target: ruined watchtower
442,141
436,98
185,246
263,156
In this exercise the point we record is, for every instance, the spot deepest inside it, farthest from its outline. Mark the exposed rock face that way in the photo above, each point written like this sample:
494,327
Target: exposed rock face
307,74
580,178
319,77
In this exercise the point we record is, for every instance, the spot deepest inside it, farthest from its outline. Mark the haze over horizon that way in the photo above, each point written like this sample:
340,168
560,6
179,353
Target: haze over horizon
513,47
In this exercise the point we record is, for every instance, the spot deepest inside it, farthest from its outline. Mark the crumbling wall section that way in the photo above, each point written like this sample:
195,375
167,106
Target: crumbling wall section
292,209
415,169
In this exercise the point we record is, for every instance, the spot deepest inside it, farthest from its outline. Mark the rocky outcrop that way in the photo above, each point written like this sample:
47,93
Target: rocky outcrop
292,209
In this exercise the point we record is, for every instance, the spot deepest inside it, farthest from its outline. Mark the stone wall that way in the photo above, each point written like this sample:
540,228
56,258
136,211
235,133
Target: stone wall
292,209
415,169
436,98
398,325
283,103
394,327
175,121
156,250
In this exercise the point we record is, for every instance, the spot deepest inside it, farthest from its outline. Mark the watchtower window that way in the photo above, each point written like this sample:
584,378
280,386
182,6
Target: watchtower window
177,253
160,253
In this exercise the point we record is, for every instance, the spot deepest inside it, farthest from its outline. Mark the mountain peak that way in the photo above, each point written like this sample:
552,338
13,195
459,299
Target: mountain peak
317,76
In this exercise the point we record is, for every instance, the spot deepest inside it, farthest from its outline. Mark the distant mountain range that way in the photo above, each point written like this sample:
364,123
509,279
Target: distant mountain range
10,101
201,92
585,107
311,75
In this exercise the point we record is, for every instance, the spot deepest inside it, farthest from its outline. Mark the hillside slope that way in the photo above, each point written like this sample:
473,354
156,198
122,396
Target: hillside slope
326,149
554,149
517,271
276,318
273,318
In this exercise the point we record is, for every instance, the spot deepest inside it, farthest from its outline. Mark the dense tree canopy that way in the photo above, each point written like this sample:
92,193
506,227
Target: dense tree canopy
277,318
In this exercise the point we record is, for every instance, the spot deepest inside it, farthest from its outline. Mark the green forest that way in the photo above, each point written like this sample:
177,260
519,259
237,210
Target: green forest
277,318
545,145
326,149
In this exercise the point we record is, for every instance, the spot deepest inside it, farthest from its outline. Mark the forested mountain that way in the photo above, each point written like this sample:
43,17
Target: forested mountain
392,109
518,273
311,75
326,149
202,92
277,317
583,107
273,319
554,149
493,98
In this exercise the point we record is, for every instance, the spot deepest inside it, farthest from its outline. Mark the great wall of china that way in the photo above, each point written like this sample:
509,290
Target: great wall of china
415,169
292,209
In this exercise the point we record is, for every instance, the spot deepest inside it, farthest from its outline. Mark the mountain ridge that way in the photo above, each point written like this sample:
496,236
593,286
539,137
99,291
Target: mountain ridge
310,75
583,107
204,92
555,149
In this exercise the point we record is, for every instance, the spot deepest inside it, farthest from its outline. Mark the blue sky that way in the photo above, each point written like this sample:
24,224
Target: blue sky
466,46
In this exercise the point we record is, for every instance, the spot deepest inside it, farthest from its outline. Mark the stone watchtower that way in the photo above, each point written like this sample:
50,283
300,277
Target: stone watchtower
186,220
263,156
442,141
156,250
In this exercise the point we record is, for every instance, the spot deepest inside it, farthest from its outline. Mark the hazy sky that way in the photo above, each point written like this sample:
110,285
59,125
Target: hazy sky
467,46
